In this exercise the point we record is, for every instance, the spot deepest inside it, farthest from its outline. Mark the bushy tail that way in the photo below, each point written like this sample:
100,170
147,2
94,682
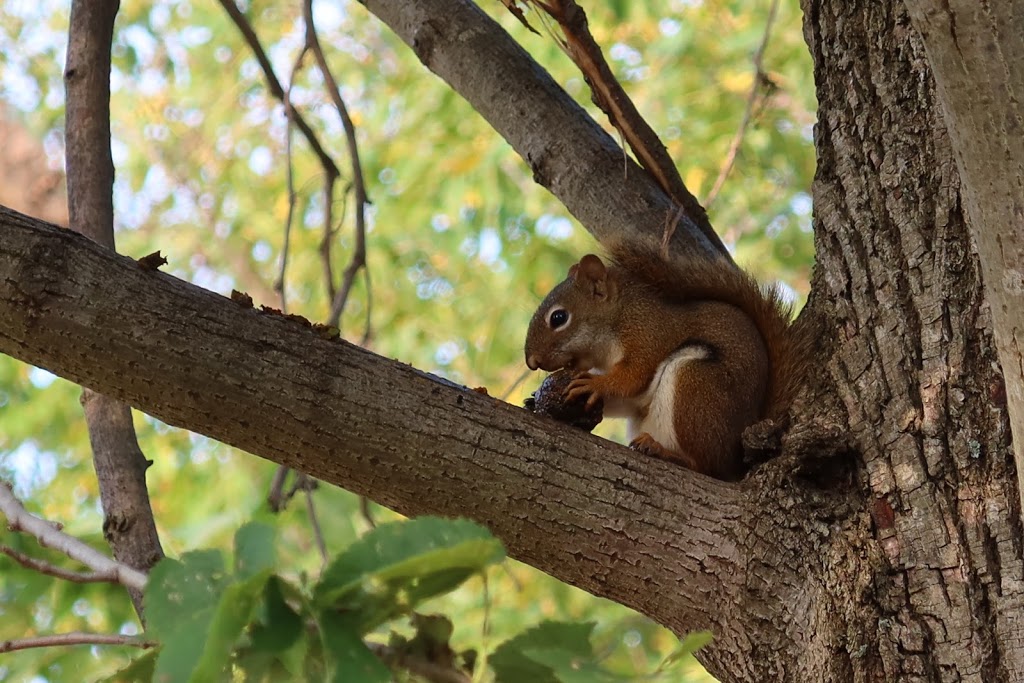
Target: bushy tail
700,279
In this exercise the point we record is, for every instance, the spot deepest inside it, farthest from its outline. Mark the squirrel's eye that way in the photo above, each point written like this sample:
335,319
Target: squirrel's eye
558,318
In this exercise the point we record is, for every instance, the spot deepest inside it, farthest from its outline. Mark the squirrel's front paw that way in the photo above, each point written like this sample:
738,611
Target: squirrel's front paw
585,385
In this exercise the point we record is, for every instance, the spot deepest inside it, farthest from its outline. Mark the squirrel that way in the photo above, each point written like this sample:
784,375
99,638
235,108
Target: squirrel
691,352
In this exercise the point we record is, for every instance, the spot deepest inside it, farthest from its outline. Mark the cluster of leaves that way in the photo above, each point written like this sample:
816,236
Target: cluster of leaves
250,622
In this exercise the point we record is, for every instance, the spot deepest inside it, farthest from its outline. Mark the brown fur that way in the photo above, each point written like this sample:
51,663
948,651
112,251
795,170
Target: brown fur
724,344
704,279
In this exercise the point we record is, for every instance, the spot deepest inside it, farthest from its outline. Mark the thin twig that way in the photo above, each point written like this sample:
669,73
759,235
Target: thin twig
276,498
480,666
289,112
364,510
74,638
759,81
48,535
44,567
328,234
275,85
359,252
368,327
314,522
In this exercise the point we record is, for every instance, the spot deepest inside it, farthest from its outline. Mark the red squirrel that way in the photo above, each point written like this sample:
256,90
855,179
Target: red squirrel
692,353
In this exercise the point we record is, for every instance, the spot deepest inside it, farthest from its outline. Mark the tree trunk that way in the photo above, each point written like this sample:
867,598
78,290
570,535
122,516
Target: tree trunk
925,584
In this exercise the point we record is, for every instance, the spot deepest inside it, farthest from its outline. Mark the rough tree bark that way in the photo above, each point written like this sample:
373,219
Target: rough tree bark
931,588
883,543
128,523
976,51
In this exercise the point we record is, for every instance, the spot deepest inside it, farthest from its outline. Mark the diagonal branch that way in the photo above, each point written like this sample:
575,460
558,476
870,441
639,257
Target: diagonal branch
44,567
20,519
580,508
761,84
612,99
330,168
568,152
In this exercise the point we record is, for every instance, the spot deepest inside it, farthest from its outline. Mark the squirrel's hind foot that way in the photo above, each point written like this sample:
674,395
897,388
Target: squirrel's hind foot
646,444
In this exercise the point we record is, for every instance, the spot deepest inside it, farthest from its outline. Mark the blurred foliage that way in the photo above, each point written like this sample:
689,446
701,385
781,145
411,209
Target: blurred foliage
461,246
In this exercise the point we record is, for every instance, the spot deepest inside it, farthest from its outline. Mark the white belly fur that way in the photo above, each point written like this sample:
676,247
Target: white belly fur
657,403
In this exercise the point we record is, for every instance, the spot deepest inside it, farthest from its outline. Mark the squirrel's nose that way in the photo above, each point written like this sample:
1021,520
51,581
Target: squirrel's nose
532,363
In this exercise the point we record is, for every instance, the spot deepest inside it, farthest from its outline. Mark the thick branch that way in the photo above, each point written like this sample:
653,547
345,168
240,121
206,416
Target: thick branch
568,152
585,510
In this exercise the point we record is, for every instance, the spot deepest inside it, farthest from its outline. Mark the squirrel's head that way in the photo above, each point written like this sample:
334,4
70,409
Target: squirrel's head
572,327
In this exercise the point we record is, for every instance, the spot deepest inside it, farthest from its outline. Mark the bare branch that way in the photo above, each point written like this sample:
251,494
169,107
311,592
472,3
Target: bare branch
276,497
611,97
290,114
327,238
540,121
275,85
368,325
758,86
128,523
364,510
358,259
74,638
44,567
314,521
20,519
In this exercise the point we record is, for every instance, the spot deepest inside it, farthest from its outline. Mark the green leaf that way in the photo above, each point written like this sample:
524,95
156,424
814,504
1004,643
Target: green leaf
279,626
254,549
233,613
197,612
347,657
693,641
517,659
277,646
398,565
179,588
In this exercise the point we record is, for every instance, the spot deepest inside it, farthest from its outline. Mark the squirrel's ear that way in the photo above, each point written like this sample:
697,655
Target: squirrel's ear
592,276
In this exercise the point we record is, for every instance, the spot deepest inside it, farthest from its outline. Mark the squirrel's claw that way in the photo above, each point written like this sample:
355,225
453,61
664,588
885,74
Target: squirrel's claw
646,444
584,385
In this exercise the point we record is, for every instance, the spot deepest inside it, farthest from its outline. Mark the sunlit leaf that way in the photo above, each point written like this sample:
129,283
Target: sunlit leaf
421,558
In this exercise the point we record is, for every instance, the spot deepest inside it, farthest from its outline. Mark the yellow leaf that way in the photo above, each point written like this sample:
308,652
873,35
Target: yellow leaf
738,81
695,179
